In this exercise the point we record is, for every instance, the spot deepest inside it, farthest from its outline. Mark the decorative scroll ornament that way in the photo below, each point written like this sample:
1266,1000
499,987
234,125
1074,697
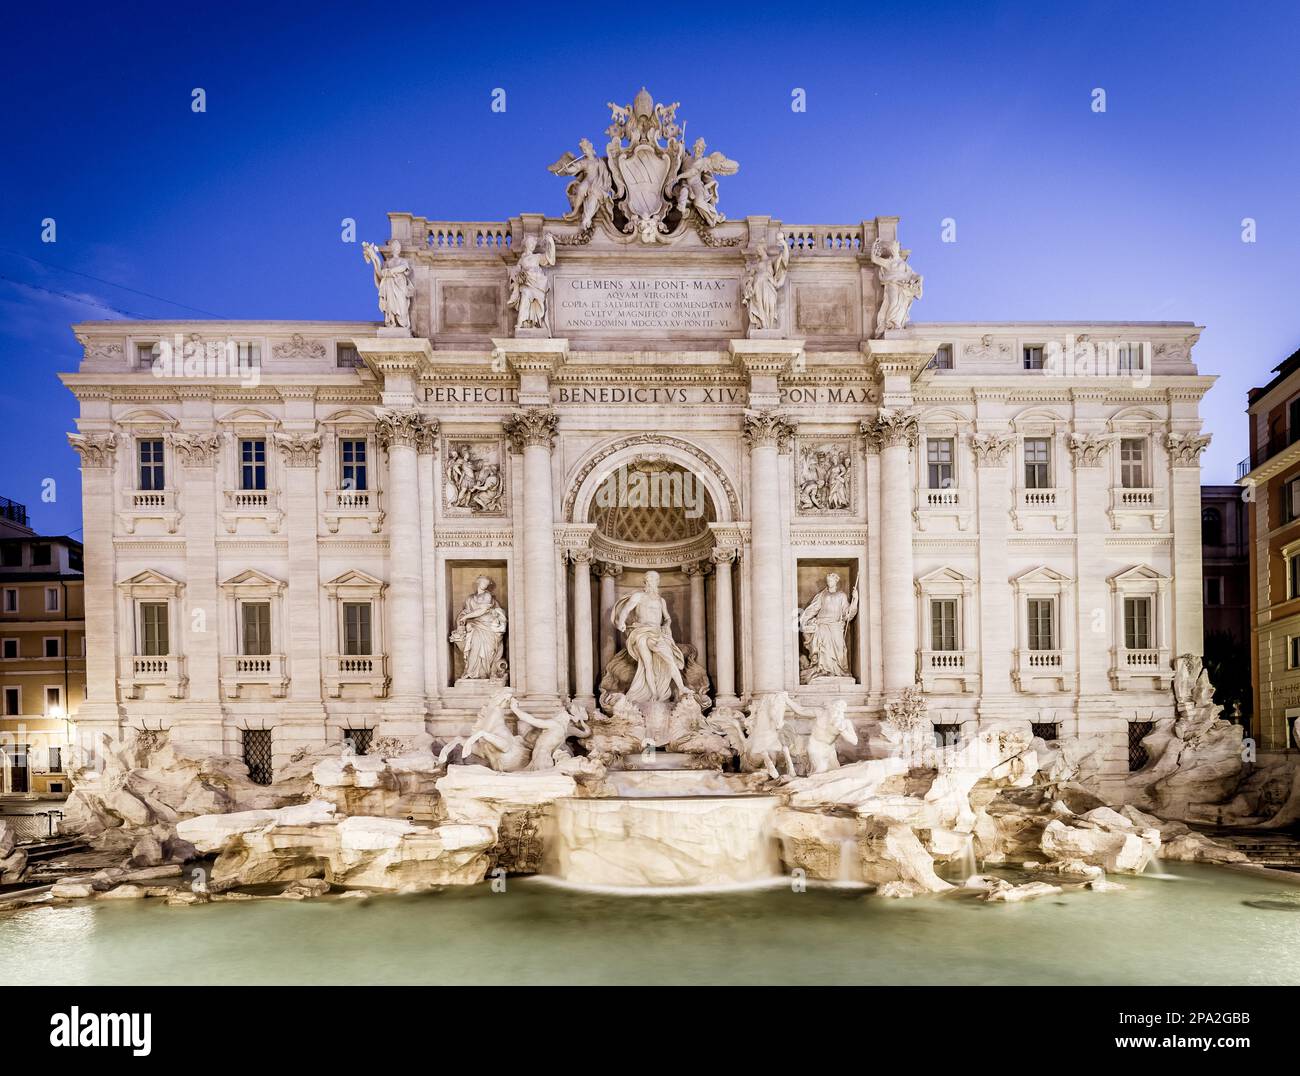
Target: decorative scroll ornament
768,429
890,428
1185,448
1089,449
991,449
646,184
408,429
102,352
530,427
196,451
298,450
96,450
299,347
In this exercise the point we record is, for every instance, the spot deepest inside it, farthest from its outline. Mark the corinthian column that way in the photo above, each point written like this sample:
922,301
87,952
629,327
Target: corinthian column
609,574
695,572
992,451
583,670
768,434
894,433
724,631
1185,519
401,433
532,432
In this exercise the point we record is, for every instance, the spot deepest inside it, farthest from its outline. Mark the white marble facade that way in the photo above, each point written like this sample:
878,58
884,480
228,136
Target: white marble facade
1025,542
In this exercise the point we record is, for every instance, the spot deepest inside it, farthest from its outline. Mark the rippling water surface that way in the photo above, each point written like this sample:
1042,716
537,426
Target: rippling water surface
1197,924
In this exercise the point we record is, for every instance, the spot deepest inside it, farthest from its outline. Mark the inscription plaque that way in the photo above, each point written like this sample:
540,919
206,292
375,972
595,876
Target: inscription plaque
630,303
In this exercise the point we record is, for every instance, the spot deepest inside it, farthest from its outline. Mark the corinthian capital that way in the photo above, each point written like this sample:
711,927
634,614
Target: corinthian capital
767,429
991,449
298,450
722,554
1185,448
95,449
1089,449
404,428
531,426
194,451
890,428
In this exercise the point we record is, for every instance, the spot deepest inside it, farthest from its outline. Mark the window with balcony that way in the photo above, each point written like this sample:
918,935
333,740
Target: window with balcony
255,628
1038,463
1140,656
1040,615
1137,623
152,470
939,460
1133,462
353,464
153,630
357,637
252,463
943,624
943,630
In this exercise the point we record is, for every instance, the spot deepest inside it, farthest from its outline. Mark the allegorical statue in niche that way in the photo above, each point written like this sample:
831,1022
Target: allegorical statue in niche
824,624
528,282
393,279
480,634
693,182
764,283
659,660
591,187
899,282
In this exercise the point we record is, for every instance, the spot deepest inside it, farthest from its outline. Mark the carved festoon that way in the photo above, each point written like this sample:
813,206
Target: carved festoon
1089,449
991,449
298,450
196,451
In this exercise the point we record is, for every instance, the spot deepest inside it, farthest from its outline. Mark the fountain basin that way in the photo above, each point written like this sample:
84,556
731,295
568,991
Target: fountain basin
664,842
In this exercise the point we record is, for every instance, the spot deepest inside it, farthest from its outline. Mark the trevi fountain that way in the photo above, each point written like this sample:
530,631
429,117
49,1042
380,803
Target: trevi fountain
827,710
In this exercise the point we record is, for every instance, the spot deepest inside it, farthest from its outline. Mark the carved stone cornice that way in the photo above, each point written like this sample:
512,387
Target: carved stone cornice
890,429
407,429
298,450
768,429
991,449
96,450
1089,449
1185,448
531,427
196,451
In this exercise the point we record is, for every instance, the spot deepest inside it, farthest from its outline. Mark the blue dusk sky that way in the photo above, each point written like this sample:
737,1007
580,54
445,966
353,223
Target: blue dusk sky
979,113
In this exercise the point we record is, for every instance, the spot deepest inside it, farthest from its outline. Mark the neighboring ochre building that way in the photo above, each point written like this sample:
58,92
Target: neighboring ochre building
276,557
1270,476
42,660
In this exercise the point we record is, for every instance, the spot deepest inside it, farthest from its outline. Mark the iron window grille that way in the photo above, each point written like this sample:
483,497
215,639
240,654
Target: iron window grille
257,755
1137,753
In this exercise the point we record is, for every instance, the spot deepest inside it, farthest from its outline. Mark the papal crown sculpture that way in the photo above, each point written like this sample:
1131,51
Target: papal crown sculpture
646,184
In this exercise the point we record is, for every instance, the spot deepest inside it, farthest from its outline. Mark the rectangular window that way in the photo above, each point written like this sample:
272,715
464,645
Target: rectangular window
40,554
1137,623
1033,357
257,755
13,701
1042,623
150,455
11,600
52,649
252,463
11,555
1214,590
942,358
1128,358
943,624
9,648
1291,500
345,356
256,627
1293,420
145,355
356,628
352,464
1293,576
53,700
1293,652
1038,463
56,760
154,638
51,599
1133,462
359,739
248,354
938,458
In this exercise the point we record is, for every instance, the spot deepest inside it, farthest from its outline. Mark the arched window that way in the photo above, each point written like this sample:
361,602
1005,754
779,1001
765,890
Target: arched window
1211,527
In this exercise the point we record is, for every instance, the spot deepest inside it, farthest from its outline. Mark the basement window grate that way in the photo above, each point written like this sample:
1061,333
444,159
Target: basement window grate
1046,730
947,735
1137,754
359,739
257,755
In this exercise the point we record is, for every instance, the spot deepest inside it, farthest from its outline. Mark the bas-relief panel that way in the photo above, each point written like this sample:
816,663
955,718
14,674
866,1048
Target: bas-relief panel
826,482
474,480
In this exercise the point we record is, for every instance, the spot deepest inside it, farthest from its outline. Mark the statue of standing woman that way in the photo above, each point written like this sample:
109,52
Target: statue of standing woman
900,283
393,279
528,283
480,634
824,625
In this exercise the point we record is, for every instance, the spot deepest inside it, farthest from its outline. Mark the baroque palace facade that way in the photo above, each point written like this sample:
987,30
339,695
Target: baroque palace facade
292,529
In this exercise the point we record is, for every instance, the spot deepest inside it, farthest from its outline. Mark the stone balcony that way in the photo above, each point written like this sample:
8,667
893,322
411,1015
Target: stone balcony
1129,504
1043,670
139,672
1138,670
952,502
256,504
366,671
161,504
949,670
363,504
1050,503
240,671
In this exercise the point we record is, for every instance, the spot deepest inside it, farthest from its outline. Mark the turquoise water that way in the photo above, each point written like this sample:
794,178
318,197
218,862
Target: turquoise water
1196,926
